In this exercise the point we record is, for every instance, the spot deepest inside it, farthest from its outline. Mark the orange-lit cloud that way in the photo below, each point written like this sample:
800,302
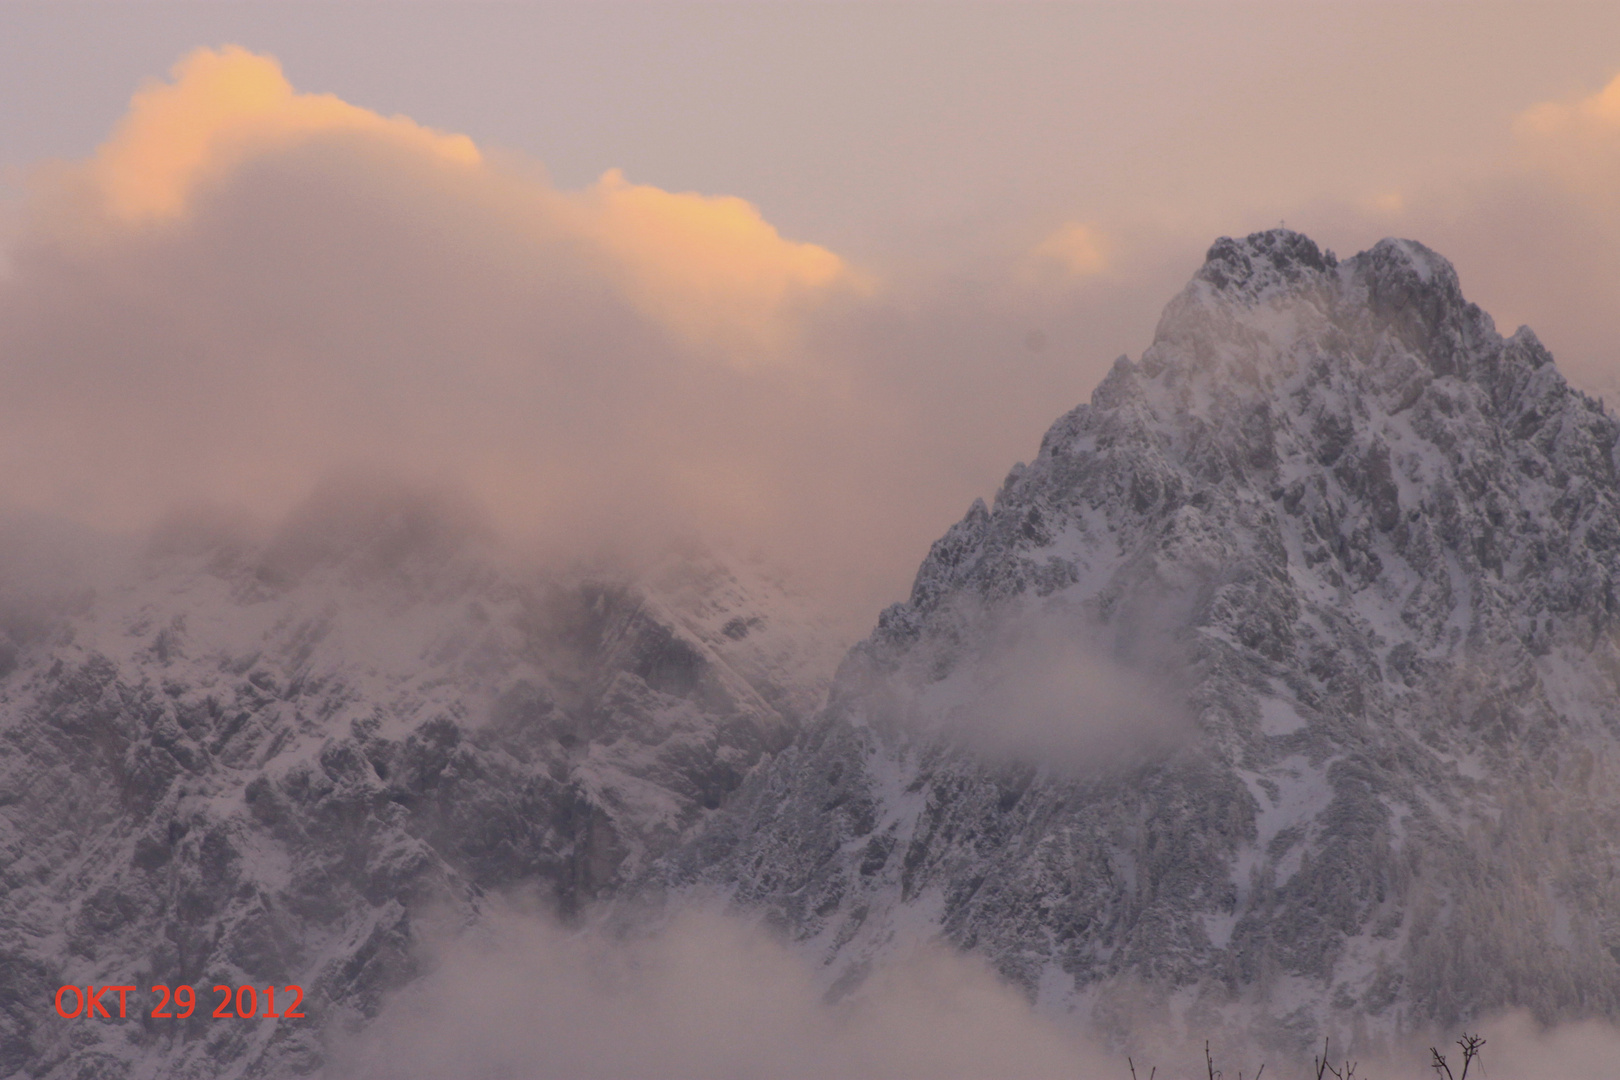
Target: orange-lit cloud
711,270
709,266
1079,248
1578,141
222,108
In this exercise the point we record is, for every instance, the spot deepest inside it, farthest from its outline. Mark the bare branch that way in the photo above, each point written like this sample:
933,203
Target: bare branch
1470,1047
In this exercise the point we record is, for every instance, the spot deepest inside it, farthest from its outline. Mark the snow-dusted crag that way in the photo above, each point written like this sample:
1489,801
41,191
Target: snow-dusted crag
254,763
1357,553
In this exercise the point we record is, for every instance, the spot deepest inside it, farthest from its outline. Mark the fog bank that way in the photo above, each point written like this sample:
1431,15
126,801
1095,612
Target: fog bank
709,995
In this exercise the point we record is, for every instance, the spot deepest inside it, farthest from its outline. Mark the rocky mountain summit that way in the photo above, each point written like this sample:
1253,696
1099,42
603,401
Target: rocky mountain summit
1321,726
235,762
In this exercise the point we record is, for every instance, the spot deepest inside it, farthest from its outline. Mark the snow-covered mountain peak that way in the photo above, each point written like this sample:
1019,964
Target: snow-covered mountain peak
1261,263
1261,306
1375,547
1265,266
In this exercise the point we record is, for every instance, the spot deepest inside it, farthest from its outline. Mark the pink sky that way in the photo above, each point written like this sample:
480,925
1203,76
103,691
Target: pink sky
852,262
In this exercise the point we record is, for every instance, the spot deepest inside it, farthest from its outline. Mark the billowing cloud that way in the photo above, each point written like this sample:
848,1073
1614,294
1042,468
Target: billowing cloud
711,267
249,288
223,108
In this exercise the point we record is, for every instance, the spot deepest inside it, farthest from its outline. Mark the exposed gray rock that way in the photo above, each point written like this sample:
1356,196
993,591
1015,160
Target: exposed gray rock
238,763
1370,546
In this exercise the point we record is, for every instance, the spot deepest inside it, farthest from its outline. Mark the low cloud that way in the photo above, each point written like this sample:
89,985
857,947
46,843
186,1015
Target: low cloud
249,288
706,996
1051,688
1050,685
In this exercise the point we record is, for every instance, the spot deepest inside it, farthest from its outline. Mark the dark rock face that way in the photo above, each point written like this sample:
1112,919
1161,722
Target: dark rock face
1371,546
256,765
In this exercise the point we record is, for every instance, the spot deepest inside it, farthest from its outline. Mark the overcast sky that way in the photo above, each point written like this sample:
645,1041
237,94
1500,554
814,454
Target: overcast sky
951,219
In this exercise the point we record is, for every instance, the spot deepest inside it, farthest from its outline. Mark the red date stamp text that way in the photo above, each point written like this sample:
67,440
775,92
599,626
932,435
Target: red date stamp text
242,1002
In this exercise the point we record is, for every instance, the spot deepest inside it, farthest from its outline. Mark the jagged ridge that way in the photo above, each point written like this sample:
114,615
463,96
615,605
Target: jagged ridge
1374,545
238,761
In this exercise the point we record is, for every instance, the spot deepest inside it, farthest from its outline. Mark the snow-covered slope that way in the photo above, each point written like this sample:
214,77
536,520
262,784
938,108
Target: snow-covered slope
230,762
1280,692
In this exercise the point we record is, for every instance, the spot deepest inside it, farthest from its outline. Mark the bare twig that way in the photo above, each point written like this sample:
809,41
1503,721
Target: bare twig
1325,1068
1470,1047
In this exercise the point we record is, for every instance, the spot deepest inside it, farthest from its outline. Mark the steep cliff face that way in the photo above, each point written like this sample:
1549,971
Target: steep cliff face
1280,690
225,762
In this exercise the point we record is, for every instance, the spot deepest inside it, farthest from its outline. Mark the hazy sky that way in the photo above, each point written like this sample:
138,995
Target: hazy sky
944,222
865,125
